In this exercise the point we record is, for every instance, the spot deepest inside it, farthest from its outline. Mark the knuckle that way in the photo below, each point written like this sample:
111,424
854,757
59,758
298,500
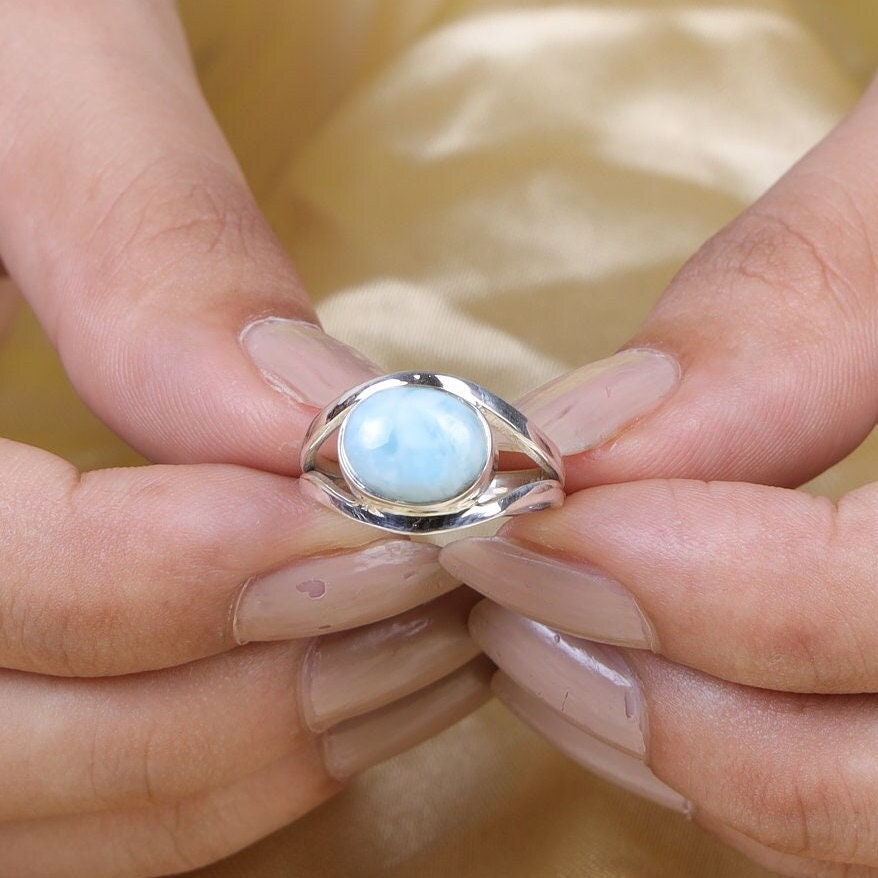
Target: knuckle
77,638
177,202
824,652
187,834
818,813
801,258
816,644
46,622
82,597
203,217
150,778
73,634
182,848
176,210
123,765
192,832
804,653
782,252
160,843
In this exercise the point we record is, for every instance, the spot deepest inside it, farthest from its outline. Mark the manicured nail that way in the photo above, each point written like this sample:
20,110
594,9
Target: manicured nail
568,595
300,359
584,408
590,685
352,672
364,741
333,592
608,762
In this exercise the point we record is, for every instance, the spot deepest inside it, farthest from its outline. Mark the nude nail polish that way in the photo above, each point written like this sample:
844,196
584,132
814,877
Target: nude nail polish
301,360
352,672
608,762
589,684
590,405
326,593
366,740
565,594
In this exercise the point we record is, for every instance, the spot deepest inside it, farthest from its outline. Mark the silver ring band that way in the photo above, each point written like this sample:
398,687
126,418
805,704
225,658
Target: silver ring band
384,441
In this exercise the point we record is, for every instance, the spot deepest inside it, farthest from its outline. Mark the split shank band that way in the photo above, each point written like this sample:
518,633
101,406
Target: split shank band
418,452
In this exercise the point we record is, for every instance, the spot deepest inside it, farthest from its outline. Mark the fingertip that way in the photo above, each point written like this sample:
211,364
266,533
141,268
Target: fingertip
584,409
188,388
562,591
153,257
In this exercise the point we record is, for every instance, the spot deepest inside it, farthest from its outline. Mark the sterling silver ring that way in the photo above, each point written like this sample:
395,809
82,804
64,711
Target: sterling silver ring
418,452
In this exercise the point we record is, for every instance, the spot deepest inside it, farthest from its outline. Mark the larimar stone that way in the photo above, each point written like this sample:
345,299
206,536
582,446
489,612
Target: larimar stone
416,445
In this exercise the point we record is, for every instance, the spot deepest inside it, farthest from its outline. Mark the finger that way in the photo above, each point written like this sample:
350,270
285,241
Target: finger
356,744
153,738
192,832
125,742
632,774
781,863
172,838
793,772
764,586
353,672
339,591
602,759
152,257
773,325
119,571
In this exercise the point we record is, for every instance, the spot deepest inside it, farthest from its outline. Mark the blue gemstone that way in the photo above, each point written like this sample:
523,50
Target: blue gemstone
416,445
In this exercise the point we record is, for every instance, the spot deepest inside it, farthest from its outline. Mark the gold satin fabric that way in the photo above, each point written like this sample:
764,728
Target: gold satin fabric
501,190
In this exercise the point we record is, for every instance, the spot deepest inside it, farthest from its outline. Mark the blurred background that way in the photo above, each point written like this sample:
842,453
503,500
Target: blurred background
501,190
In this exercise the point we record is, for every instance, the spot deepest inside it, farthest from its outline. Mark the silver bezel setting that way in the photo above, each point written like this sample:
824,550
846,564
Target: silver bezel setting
494,493
452,504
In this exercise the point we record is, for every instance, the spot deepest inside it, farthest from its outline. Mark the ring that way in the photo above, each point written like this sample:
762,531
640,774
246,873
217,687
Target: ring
418,452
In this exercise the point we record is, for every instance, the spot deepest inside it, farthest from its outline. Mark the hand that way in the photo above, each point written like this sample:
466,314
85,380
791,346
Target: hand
127,225
742,612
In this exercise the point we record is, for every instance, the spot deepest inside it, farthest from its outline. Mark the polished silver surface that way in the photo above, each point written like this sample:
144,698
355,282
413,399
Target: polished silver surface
330,479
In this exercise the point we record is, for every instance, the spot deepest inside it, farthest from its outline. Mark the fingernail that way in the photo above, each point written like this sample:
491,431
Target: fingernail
364,741
352,672
608,762
568,595
333,592
590,685
300,359
584,408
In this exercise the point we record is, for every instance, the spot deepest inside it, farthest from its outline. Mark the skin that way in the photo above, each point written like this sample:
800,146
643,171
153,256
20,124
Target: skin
149,244
759,691
141,739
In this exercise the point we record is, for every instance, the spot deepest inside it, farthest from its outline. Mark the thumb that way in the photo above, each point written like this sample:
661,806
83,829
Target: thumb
128,226
758,363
